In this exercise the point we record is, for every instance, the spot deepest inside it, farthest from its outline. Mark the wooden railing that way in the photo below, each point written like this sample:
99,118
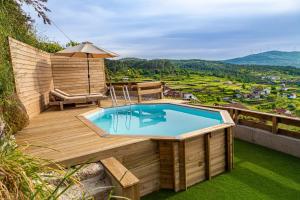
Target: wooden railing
264,121
132,86
149,88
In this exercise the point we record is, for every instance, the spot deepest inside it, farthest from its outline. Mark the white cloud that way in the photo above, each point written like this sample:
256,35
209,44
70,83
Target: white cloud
155,27
214,8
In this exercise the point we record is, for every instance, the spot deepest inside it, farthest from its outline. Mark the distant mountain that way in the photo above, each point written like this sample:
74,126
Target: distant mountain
275,58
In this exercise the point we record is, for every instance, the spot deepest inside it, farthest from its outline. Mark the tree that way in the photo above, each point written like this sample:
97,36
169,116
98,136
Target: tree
72,44
39,7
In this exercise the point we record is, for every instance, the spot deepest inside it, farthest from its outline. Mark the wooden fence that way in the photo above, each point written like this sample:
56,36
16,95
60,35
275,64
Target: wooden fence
276,124
32,75
37,72
71,74
149,88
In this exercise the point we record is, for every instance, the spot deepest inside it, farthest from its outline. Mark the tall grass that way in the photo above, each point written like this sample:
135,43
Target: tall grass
25,177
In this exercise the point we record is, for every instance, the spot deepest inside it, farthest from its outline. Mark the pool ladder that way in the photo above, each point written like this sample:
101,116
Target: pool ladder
127,102
115,104
113,96
126,95
114,100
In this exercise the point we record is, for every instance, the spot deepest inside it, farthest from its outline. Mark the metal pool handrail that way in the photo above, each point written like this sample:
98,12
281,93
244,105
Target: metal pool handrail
113,96
126,95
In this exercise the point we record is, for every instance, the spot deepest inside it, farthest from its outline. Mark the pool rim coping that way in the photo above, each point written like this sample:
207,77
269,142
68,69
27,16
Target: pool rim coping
227,122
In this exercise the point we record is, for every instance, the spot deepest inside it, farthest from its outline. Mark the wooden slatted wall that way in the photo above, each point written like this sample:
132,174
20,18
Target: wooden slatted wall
185,163
71,74
33,76
217,154
37,72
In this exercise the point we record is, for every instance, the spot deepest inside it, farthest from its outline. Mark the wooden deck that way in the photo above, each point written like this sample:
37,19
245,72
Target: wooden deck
61,137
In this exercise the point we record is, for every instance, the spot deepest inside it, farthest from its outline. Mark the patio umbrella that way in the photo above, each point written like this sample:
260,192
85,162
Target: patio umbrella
86,50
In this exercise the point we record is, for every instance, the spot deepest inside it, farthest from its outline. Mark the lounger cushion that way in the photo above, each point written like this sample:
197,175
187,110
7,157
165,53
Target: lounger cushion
95,97
82,98
61,92
69,99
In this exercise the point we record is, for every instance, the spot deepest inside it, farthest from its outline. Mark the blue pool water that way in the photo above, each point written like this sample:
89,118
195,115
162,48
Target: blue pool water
154,119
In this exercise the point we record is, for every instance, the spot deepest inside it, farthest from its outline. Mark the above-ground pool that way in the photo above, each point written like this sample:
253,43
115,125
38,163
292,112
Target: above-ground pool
183,144
166,120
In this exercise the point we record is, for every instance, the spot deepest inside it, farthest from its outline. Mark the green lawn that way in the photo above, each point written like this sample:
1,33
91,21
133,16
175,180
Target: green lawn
259,173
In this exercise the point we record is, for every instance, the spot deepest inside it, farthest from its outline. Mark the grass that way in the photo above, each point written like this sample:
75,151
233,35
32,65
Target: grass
259,173
24,177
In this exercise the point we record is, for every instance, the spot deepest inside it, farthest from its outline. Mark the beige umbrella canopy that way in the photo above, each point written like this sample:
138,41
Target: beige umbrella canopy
86,50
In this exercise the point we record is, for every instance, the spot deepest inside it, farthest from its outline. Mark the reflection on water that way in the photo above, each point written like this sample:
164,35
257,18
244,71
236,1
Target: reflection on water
154,119
145,118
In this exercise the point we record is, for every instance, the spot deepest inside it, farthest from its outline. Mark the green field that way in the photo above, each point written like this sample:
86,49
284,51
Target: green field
259,173
214,82
211,90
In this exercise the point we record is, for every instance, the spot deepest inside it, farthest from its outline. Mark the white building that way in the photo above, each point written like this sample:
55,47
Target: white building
292,96
188,96
265,91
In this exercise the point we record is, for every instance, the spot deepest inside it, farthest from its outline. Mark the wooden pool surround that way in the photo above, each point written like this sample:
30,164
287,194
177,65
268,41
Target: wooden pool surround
192,157
158,163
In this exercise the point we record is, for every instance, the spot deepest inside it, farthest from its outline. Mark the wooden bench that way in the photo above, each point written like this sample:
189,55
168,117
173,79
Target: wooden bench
149,88
126,184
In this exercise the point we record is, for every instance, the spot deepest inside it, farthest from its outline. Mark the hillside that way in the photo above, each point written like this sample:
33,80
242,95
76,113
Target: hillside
135,68
274,58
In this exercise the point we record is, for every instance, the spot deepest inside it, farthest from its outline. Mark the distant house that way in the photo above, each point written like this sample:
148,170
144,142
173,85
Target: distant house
254,96
273,78
282,85
283,111
226,99
292,96
284,89
265,91
238,96
188,96
169,92
125,79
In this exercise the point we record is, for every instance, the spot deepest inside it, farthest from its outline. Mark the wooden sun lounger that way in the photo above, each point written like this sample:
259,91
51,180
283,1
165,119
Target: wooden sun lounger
58,97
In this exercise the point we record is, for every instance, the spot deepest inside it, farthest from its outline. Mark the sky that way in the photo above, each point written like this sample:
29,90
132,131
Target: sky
176,29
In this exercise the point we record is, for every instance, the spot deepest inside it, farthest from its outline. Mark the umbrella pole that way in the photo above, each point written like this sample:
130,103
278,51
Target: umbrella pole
88,62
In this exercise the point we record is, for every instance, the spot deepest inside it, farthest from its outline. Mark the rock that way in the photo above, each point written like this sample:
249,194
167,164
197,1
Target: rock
93,183
90,171
98,189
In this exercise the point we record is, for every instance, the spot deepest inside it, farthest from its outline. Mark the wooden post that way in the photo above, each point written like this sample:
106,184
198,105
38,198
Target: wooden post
207,156
184,164
231,112
176,175
236,116
229,148
139,94
274,125
61,105
162,92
